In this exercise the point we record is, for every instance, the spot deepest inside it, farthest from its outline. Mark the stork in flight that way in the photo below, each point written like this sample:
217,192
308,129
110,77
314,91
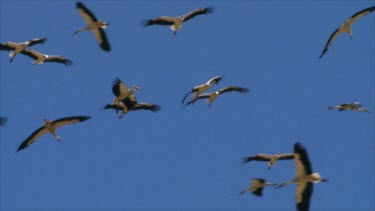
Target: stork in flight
257,186
354,106
127,105
94,25
204,87
18,47
40,58
304,178
121,92
3,121
346,27
270,158
51,126
176,22
212,96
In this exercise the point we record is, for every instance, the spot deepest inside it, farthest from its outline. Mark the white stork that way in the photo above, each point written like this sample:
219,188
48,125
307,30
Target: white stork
346,27
204,87
41,58
127,105
18,47
304,178
94,25
3,121
354,106
176,22
121,92
51,126
270,158
257,186
212,96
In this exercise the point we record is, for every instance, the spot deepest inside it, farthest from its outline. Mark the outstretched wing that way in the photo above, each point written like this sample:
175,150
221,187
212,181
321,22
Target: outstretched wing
86,13
118,87
200,11
162,20
59,59
233,88
34,136
147,106
257,157
199,97
69,120
6,47
37,41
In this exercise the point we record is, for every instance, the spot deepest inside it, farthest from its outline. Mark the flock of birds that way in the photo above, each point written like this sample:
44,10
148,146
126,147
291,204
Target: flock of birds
125,98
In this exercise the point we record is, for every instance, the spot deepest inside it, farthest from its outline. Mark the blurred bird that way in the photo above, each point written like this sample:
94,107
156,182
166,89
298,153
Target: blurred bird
346,27
212,96
270,158
304,178
257,186
51,126
354,106
41,58
18,47
94,25
197,90
176,22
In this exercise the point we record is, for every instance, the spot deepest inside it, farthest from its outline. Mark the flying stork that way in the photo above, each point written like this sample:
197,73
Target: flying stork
51,126
354,106
204,87
176,22
120,90
212,96
304,178
41,58
94,25
346,27
126,105
270,158
3,121
257,186
18,47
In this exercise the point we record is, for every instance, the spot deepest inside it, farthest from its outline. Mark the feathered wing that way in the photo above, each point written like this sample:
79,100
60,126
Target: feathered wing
200,97
86,13
200,11
147,106
3,121
59,59
101,38
301,158
257,157
233,88
162,20
330,40
215,80
303,195
31,53
121,106
6,47
37,41
288,156
33,137
69,120
361,13
118,87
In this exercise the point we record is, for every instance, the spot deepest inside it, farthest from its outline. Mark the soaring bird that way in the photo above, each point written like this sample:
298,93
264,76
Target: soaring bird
212,96
94,25
3,121
270,158
257,186
304,178
121,92
203,87
346,27
138,106
176,22
41,58
51,126
354,106
18,47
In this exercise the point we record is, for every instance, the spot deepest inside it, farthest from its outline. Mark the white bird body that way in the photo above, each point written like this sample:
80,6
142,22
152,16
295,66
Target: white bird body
212,96
346,27
197,90
354,106
50,127
176,22
94,25
270,158
19,47
304,178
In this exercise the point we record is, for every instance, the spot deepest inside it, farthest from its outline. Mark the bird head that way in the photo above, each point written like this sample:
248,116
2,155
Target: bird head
136,88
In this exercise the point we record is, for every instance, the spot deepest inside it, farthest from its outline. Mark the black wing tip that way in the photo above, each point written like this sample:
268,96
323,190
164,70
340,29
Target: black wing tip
258,192
156,108
79,4
209,9
246,159
244,90
116,81
146,22
68,62
3,121
298,147
83,118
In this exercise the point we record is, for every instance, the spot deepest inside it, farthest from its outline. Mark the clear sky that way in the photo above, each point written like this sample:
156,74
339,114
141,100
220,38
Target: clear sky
187,158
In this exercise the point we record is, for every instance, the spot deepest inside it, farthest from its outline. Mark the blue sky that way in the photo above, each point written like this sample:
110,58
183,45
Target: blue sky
187,158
